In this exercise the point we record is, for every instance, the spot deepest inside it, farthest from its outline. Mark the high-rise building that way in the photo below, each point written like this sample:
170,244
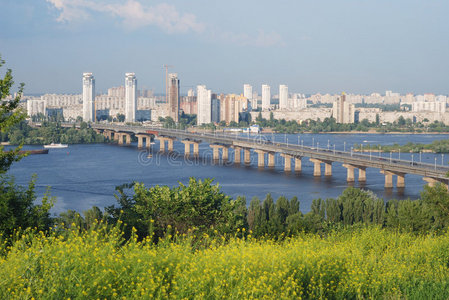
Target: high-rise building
204,105
266,97
248,91
215,109
342,111
173,96
130,97
88,97
283,96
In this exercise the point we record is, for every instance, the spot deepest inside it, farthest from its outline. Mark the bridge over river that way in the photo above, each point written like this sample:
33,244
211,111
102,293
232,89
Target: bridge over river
220,143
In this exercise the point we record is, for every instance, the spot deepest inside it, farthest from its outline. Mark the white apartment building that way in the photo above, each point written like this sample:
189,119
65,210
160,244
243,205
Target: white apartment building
130,97
283,97
204,105
248,91
36,106
266,97
88,97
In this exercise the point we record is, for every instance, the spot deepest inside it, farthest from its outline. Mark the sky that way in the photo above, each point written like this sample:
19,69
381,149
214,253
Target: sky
313,46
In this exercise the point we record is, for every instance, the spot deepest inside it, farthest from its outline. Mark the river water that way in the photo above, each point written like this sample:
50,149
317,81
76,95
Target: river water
82,176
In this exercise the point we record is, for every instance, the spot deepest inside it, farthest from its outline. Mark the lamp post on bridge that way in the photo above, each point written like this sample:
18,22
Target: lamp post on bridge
435,163
390,156
313,142
412,159
344,146
351,151
399,153
442,159
328,145
420,152
317,146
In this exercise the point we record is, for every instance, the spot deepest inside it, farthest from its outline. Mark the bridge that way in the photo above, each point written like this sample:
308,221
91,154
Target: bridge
262,147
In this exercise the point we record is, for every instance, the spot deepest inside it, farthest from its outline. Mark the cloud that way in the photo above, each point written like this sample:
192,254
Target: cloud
261,39
132,13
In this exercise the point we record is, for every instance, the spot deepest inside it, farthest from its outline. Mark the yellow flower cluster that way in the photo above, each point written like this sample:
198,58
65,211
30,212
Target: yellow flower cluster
367,263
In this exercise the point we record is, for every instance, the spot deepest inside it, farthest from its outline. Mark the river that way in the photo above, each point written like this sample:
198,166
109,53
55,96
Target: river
82,176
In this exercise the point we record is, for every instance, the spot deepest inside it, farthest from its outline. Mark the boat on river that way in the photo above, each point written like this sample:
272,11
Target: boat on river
55,146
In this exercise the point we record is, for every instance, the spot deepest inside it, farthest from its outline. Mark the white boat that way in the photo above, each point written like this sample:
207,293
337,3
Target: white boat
53,145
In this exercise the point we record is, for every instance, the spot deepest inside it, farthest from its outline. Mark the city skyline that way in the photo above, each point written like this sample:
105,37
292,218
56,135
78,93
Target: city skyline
319,47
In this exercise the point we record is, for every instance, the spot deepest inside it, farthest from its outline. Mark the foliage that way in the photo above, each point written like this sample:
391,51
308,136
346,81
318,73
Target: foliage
10,114
52,132
157,210
17,208
359,264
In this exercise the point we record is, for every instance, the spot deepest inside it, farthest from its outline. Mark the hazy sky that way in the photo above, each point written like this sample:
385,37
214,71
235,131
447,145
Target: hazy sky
327,46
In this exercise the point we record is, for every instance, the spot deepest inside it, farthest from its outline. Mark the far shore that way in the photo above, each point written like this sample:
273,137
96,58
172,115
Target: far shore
361,132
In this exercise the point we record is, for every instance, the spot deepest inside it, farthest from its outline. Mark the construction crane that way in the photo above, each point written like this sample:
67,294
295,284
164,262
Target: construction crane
166,81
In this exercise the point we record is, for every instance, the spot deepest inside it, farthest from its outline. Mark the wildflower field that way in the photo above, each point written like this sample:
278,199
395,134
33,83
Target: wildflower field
362,263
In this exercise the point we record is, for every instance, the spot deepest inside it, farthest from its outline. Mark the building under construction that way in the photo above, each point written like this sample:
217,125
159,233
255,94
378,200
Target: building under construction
173,96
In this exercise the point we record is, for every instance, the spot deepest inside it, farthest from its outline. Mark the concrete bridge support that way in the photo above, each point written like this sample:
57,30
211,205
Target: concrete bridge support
327,169
316,167
215,152
162,141
186,147
298,165
350,174
224,153
196,152
260,158
271,159
140,139
287,162
388,179
433,181
237,155
400,179
362,174
247,156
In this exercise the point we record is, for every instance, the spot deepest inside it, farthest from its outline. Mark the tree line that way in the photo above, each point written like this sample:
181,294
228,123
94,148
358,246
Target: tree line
50,132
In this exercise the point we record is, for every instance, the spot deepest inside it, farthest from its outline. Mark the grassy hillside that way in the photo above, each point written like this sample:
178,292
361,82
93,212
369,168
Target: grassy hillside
360,263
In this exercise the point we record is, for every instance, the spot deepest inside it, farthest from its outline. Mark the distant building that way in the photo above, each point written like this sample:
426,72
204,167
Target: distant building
130,97
231,106
204,99
88,97
266,97
283,97
248,91
173,96
342,111
36,106
215,113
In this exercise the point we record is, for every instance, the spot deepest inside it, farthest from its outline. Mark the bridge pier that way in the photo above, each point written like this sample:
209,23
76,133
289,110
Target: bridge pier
196,152
237,155
316,167
247,156
350,173
215,153
298,165
362,174
187,147
287,162
388,179
400,180
260,158
271,159
327,169
224,153
140,138
433,181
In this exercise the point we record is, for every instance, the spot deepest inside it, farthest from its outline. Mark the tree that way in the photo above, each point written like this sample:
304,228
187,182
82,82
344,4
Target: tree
17,208
10,114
